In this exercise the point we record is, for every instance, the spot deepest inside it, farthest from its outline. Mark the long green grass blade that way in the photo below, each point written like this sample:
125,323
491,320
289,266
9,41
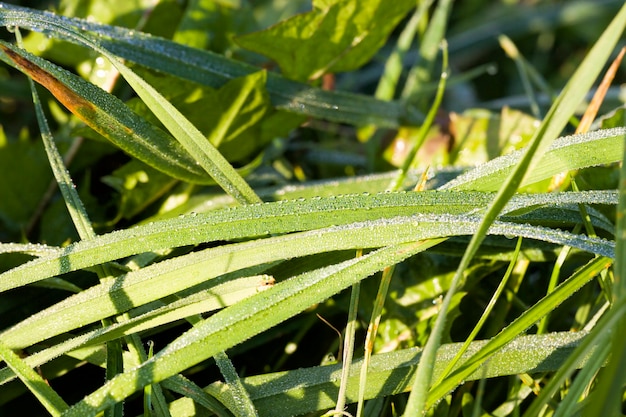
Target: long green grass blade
273,218
35,383
169,277
551,127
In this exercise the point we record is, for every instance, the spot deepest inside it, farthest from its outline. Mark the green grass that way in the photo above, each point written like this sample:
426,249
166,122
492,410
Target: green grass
246,180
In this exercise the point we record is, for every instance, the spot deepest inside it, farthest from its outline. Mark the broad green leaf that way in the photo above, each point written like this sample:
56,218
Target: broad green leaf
481,135
214,70
108,116
336,36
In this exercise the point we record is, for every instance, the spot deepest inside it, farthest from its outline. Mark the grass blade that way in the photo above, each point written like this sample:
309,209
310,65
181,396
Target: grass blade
273,218
107,115
239,322
551,127
35,383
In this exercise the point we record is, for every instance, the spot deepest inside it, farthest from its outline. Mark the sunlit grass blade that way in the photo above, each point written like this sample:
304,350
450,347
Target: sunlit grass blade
275,218
396,185
523,322
169,277
241,321
564,154
551,127
35,383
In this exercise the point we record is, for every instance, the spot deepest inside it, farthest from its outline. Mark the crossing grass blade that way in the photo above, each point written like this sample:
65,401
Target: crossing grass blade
169,277
274,218
550,128
53,403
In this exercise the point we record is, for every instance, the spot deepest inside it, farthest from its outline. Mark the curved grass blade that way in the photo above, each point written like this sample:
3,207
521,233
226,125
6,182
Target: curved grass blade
214,70
108,116
241,321
271,218
171,276
566,153
550,128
